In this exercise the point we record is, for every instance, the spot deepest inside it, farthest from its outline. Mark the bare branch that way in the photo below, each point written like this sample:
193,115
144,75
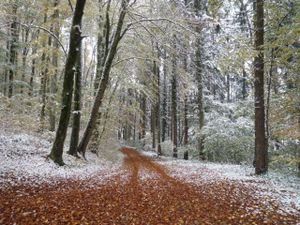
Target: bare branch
46,30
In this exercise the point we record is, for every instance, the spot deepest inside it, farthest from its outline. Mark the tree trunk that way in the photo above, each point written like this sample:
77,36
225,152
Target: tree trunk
76,105
174,99
102,43
269,84
44,77
13,50
104,80
53,81
164,100
158,127
153,125
185,122
32,75
185,106
33,64
143,107
199,78
199,7
25,34
261,151
7,60
106,114
67,92
102,51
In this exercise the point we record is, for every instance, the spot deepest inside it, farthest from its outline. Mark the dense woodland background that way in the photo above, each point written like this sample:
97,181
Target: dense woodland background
202,79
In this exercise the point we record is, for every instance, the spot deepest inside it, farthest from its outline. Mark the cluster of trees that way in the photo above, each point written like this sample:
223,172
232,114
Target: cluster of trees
216,80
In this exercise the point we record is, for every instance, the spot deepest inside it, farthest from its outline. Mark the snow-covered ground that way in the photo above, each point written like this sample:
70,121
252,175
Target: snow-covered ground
276,186
23,159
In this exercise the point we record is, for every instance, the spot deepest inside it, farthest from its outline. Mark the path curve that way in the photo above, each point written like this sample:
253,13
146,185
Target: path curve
131,198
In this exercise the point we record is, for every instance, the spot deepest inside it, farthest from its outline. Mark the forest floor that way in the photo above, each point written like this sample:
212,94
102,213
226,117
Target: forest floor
141,190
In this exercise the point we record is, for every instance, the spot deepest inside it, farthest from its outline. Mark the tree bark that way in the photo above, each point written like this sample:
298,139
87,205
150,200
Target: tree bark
174,99
67,93
44,76
13,50
199,79
164,100
158,119
53,81
25,35
198,6
102,51
185,122
261,151
143,115
76,105
7,60
153,125
102,43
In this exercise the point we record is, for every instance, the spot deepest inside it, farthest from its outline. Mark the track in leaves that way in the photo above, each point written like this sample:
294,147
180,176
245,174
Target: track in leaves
129,198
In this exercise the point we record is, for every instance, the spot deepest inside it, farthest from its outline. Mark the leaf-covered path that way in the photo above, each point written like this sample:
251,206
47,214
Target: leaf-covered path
141,193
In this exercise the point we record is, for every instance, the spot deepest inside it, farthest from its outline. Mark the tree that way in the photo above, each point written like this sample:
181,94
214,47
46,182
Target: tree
198,5
55,59
174,98
13,49
67,92
261,151
158,99
76,105
104,78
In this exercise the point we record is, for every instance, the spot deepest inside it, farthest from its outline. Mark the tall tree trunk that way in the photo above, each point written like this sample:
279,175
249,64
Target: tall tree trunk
185,122
25,34
102,42
32,75
199,8
185,106
153,125
174,99
164,100
102,51
106,114
76,105
269,84
33,63
44,76
261,151
13,50
104,80
199,77
67,92
7,60
243,23
158,119
143,121
53,81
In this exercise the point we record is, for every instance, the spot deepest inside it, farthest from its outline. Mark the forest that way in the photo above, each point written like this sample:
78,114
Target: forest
95,87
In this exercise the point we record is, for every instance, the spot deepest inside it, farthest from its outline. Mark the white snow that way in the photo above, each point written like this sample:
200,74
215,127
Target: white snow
23,159
284,189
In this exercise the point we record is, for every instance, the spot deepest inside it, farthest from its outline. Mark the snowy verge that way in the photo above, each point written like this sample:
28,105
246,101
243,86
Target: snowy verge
282,188
23,160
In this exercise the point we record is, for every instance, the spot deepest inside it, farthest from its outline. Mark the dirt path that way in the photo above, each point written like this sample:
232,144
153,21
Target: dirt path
142,193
